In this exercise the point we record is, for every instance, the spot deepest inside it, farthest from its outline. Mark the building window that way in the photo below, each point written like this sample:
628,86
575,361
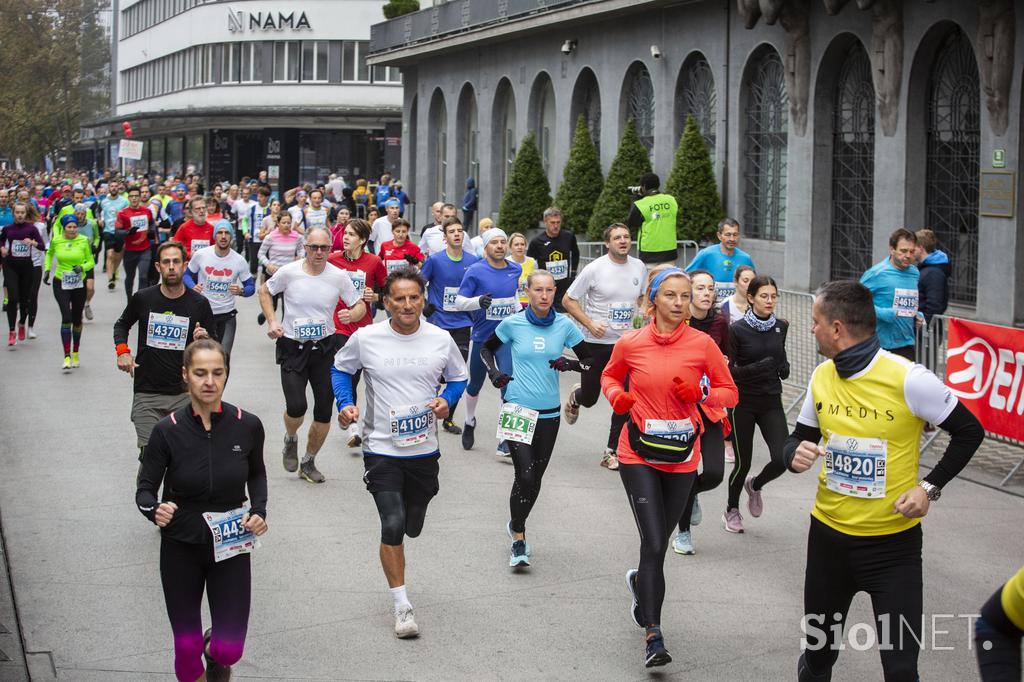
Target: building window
314,61
765,141
252,63
954,137
353,61
387,74
640,103
697,97
544,123
231,63
286,62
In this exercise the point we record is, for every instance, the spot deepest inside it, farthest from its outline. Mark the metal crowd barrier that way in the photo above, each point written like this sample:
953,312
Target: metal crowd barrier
591,251
801,349
932,347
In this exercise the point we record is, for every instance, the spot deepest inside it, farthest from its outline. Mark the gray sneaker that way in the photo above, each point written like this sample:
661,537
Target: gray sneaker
291,454
308,471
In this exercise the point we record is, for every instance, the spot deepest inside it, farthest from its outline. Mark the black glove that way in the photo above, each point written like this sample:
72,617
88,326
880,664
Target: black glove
766,366
485,301
429,309
46,279
77,269
411,259
499,379
784,370
564,364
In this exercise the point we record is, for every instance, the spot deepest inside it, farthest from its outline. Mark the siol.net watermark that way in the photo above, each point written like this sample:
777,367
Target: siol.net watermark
934,632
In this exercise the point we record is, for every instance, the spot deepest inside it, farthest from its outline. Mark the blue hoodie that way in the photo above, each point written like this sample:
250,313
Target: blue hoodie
896,302
934,284
469,198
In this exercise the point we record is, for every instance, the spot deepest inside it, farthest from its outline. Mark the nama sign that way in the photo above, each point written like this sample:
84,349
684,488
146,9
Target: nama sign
267,21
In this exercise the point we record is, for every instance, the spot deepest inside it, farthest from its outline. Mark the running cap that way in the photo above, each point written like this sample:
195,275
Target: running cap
661,277
223,226
65,188
81,207
68,219
180,187
490,234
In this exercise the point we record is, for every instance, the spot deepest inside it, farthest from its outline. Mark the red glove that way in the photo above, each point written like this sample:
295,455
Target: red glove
686,393
726,428
623,402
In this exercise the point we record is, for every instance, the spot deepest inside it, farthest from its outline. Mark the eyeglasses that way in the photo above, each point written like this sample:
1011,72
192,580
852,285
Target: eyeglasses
318,247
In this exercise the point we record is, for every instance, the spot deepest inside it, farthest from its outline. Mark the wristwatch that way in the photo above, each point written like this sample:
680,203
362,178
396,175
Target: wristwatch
934,492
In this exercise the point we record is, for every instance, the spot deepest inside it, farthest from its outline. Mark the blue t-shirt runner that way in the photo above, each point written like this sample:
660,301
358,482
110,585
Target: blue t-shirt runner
722,267
532,348
444,277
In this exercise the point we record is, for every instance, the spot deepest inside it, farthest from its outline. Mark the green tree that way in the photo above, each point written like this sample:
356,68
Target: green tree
581,181
631,162
396,8
692,183
528,192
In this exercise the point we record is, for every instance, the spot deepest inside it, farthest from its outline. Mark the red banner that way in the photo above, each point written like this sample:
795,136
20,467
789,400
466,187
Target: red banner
985,370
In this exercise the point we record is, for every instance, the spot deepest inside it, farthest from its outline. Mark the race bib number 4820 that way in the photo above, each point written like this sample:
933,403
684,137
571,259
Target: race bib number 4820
855,467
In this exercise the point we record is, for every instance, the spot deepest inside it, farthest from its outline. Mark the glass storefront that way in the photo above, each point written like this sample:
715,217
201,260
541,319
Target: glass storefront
156,155
351,154
194,147
175,155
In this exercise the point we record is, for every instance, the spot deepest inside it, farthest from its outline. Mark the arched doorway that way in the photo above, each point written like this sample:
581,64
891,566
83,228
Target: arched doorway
467,138
696,96
586,101
765,145
638,102
503,136
438,147
542,119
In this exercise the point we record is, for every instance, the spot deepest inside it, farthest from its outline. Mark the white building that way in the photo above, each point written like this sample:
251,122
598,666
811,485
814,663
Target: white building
232,88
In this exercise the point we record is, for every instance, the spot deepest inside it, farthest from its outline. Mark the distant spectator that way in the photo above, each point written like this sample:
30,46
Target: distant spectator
469,201
403,198
934,266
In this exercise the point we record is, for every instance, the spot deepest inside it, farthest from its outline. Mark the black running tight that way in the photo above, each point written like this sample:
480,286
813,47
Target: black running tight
186,570
33,301
712,459
136,261
767,413
530,462
590,389
657,499
18,281
399,517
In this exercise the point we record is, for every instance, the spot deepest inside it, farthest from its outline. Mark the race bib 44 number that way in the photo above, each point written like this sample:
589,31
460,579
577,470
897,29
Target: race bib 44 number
230,538
448,303
167,331
517,423
501,308
855,467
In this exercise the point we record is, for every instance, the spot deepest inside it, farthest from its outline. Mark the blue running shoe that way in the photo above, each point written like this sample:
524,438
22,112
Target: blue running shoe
655,653
517,555
683,544
508,529
634,610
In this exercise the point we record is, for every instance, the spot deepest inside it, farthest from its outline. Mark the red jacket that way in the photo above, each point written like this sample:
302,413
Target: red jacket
192,236
367,270
139,223
391,254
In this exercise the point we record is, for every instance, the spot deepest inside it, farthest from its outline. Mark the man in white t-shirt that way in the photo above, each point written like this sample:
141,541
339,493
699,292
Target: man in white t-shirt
316,212
306,342
220,274
432,240
380,231
241,212
403,360
611,287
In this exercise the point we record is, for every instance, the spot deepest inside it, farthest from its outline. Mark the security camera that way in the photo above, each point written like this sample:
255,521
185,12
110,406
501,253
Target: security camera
655,51
568,47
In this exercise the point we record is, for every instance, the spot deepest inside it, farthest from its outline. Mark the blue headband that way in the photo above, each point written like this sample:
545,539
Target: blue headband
659,278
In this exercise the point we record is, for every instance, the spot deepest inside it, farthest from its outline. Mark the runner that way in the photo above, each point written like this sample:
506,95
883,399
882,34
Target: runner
90,229
367,274
736,305
259,210
758,362
71,253
17,241
338,229
306,342
400,252
893,284
207,455
722,259
380,229
659,450
529,417
136,225
281,246
38,260
169,316
998,632
704,317
432,235
443,272
196,232
221,274
110,205
870,406
611,287
400,452
488,290
315,214
517,254
555,250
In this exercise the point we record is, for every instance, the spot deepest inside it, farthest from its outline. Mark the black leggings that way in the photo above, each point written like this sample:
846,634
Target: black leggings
767,413
33,301
590,388
136,260
223,330
657,500
888,568
530,462
712,459
18,281
70,302
1000,661
317,373
186,570
399,516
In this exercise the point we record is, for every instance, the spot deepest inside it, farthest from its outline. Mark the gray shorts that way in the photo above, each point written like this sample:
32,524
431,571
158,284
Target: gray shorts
149,408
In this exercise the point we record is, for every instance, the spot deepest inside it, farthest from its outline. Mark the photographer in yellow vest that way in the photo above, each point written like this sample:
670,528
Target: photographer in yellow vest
654,216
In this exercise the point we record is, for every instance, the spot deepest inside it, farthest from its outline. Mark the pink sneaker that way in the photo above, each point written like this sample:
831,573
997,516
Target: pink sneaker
12,338
755,505
21,332
733,520
730,456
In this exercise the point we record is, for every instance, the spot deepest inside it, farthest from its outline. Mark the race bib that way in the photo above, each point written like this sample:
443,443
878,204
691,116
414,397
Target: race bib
230,538
198,244
358,279
517,423
411,424
309,328
69,279
20,249
559,269
521,292
672,429
501,308
167,331
449,299
217,287
620,315
905,302
393,265
139,222
855,466
723,290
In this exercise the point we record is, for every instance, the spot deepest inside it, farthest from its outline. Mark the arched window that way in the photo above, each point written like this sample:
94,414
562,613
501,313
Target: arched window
542,119
853,166
638,101
439,145
411,184
503,139
467,142
696,96
765,142
951,193
586,101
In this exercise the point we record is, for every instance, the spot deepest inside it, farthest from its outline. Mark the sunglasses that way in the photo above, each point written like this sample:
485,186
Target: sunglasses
318,247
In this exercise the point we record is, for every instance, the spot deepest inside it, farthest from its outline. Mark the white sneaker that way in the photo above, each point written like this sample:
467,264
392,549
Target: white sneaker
730,456
32,333
354,439
405,624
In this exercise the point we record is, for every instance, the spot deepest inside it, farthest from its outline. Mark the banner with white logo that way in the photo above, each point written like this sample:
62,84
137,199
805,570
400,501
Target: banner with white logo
985,370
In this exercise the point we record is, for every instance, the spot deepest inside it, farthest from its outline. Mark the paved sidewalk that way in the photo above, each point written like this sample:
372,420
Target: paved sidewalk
84,562
12,658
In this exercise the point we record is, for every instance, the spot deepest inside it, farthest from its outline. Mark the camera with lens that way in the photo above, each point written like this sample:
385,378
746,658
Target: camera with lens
635,190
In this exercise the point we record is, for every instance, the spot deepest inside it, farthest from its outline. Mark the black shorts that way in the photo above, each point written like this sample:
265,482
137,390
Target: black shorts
90,274
115,240
461,338
414,477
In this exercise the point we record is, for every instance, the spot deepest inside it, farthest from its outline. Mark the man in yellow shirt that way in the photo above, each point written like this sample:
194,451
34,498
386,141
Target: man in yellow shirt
864,412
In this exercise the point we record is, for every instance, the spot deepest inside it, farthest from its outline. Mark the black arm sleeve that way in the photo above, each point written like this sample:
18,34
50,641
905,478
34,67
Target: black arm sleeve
151,474
574,256
257,483
965,436
487,353
123,326
801,433
635,218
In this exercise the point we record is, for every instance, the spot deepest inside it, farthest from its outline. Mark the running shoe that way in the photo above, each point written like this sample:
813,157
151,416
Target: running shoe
683,544
634,610
571,409
261,319
730,456
110,285
21,332
67,363
755,504
12,338
451,427
696,515
291,454
215,672
354,439
655,654
733,520
508,529
518,558
5,304
32,333
609,460
467,436
309,472
74,360
88,311
502,449
405,624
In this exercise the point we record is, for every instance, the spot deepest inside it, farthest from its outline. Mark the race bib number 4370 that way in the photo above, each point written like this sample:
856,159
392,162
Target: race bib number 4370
166,331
